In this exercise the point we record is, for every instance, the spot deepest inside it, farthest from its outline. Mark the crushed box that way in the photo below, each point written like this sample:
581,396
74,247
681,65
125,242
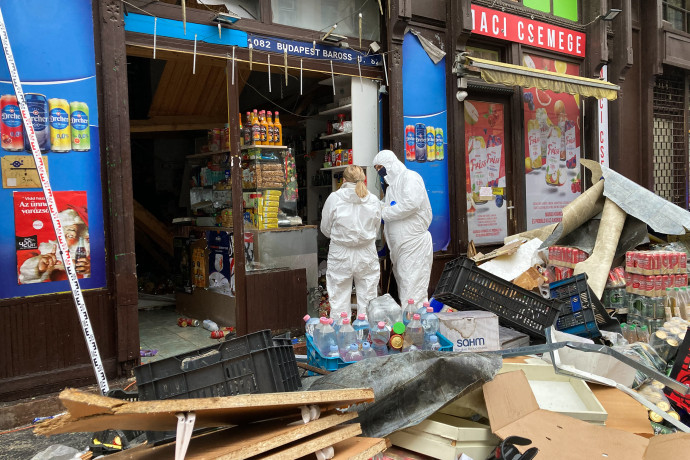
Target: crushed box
471,330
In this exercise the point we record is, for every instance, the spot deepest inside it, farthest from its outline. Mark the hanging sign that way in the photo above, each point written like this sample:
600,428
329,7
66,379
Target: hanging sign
517,29
603,123
311,50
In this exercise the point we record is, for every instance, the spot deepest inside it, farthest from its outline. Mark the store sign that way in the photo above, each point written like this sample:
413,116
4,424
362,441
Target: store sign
312,50
603,123
425,120
517,29
171,28
61,95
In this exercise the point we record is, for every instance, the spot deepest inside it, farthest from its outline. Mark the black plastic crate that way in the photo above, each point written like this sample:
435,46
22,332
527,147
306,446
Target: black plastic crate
464,286
578,314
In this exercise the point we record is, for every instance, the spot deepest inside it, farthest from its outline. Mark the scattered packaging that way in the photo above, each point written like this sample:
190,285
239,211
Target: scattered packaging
471,330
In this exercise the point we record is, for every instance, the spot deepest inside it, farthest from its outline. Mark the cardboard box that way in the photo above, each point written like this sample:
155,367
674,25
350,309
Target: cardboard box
446,437
514,411
471,330
560,393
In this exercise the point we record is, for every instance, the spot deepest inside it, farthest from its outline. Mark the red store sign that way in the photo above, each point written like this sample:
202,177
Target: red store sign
496,24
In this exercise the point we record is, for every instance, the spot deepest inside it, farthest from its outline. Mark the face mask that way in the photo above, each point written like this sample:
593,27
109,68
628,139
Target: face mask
382,172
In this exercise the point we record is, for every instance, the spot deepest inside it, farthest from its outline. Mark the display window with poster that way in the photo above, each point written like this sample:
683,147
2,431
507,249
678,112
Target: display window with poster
553,145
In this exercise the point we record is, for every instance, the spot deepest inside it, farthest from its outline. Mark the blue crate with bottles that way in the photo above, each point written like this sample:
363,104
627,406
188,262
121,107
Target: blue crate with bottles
335,343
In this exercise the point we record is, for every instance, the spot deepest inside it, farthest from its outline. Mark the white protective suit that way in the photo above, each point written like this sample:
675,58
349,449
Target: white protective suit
351,223
406,227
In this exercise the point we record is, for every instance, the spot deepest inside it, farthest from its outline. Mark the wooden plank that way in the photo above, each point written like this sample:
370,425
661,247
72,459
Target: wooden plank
153,228
239,443
314,443
360,448
108,413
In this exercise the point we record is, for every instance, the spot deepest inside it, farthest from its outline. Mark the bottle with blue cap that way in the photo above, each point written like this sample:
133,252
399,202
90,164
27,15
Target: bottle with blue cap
367,351
333,352
353,354
432,344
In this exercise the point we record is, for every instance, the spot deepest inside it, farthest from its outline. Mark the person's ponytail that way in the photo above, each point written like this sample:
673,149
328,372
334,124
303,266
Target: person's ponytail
355,174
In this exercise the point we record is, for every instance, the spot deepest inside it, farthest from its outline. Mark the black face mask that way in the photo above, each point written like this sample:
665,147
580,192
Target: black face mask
382,172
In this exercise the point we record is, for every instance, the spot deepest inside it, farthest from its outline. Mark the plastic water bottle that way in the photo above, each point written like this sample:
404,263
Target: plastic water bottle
423,308
432,344
210,325
334,353
414,334
643,334
339,323
361,327
682,303
632,333
310,324
353,353
346,336
326,337
409,311
430,322
367,351
669,304
379,339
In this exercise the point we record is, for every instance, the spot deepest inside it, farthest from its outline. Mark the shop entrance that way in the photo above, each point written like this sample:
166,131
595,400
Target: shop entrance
491,209
183,193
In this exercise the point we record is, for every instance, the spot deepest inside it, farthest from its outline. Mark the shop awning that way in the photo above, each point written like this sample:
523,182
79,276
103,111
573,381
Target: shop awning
515,75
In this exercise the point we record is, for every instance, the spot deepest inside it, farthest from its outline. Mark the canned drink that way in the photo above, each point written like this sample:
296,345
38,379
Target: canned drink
420,142
11,124
409,143
629,257
38,111
673,261
430,143
79,120
59,125
665,263
440,149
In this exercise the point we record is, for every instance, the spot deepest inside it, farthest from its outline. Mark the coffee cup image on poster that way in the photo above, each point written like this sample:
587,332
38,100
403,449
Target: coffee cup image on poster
60,126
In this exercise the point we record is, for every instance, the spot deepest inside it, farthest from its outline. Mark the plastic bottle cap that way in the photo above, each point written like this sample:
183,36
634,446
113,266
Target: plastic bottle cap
346,321
433,339
631,327
381,325
429,310
396,341
399,328
410,301
416,316
343,314
361,317
324,320
426,304
676,289
334,348
330,321
366,345
353,347
306,318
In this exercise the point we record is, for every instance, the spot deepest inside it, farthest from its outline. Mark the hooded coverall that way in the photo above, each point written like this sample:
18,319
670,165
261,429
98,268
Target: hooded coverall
351,223
407,215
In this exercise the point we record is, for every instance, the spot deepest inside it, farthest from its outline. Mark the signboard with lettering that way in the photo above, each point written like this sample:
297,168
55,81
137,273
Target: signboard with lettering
603,122
497,24
311,50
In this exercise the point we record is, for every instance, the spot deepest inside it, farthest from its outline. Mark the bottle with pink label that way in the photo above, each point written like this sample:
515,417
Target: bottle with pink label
493,160
571,153
477,156
553,157
534,144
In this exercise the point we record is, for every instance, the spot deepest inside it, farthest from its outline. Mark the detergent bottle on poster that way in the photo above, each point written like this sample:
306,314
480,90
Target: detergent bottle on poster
553,157
534,144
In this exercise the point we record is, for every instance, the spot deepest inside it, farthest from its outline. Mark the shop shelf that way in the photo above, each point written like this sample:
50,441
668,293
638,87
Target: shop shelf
336,110
577,314
206,154
464,286
264,147
336,136
316,359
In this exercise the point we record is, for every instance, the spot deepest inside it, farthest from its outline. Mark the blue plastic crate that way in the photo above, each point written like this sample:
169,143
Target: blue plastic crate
316,359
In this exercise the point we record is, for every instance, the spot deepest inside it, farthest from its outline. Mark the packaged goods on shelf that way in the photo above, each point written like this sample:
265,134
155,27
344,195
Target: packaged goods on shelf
655,262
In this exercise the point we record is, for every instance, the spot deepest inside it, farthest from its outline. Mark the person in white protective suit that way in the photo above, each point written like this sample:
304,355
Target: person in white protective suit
351,218
406,217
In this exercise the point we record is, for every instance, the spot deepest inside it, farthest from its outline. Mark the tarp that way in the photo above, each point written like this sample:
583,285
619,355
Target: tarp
515,75
409,387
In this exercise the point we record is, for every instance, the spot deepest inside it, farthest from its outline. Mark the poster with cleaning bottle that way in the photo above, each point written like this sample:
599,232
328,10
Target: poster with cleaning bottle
53,46
552,146
424,114
485,170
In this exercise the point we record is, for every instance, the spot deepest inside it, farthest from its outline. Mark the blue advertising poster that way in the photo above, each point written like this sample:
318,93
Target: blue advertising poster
53,46
424,112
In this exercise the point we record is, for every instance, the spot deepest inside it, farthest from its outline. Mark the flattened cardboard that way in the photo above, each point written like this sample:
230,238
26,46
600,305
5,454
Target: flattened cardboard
513,411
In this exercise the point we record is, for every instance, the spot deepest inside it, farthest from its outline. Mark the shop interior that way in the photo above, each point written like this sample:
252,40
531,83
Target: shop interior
183,193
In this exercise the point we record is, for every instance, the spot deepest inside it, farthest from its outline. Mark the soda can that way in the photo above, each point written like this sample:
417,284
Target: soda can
79,119
420,142
38,111
11,124
59,125
409,143
430,143
629,257
440,149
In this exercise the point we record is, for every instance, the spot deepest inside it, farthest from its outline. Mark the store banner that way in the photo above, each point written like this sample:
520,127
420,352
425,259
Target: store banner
552,146
603,124
53,46
518,29
313,50
485,163
145,24
424,114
